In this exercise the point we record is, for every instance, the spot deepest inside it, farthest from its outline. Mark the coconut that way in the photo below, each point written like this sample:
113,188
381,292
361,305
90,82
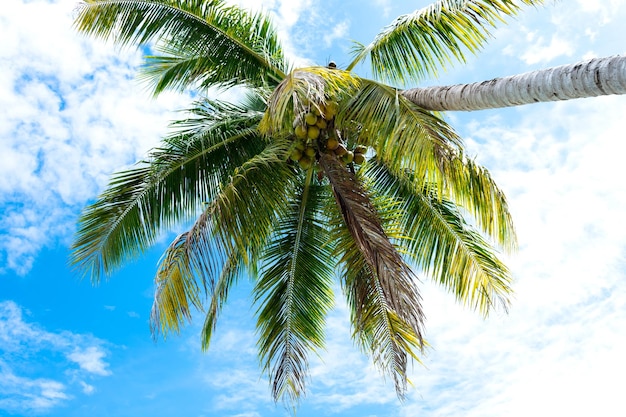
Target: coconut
313,132
360,149
310,151
305,162
310,118
321,123
332,144
359,158
296,154
331,109
348,157
340,150
300,131
300,145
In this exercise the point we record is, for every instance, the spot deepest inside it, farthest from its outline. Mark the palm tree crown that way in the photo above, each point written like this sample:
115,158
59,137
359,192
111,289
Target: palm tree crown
317,174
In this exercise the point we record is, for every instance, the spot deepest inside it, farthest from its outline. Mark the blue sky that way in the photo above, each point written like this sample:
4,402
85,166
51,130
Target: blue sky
73,113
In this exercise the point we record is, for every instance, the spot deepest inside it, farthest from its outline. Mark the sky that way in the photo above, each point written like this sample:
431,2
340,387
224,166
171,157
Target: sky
73,112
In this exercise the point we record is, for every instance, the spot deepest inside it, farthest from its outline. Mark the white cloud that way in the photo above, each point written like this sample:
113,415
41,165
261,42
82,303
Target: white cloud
75,117
385,5
543,52
340,365
559,350
87,389
338,31
90,360
22,347
19,394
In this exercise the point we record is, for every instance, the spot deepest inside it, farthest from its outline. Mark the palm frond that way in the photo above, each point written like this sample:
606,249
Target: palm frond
384,296
401,134
405,137
249,203
231,45
472,187
294,291
168,188
232,270
440,242
177,288
194,257
417,45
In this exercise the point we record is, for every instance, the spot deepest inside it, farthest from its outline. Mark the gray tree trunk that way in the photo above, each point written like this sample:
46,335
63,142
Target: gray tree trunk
592,78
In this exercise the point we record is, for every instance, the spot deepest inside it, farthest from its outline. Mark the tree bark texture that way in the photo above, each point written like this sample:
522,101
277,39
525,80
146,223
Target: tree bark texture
591,78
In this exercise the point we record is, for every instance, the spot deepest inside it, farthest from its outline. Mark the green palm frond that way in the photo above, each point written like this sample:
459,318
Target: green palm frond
385,299
249,203
294,291
166,189
472,187
440,242
194,257
419,44
177,288
402,134
232,269
406,137
226,43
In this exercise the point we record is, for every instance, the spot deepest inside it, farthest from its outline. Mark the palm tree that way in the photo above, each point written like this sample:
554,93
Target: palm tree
314,174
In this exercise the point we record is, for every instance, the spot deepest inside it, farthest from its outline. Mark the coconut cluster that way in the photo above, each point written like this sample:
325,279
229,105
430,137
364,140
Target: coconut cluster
315,133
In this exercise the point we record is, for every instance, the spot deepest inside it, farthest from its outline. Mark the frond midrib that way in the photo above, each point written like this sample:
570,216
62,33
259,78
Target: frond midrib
292,268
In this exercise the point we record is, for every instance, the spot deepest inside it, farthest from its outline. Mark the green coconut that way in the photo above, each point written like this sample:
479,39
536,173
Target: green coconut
296,154
348,157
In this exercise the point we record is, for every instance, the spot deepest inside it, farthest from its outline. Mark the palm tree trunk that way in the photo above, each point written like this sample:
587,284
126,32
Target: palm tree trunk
592,78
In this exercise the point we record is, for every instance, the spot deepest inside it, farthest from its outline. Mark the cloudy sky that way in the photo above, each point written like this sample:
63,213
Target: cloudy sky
73,112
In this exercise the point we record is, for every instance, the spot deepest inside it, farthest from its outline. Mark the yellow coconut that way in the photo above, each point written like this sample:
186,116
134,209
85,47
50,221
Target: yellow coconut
313,132
360,149
331,109
305,162
321,123
310,151
310,119
300,131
